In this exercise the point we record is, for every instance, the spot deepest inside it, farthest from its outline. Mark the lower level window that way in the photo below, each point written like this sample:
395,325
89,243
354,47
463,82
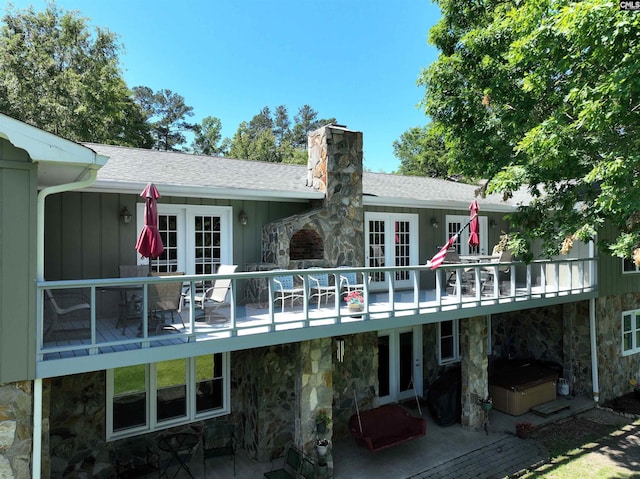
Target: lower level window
448,341
149,397
630,332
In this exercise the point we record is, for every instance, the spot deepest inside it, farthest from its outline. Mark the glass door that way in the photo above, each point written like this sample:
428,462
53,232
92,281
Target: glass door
399,364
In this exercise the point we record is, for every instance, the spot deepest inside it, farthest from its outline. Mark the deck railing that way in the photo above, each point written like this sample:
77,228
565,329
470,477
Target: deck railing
101,316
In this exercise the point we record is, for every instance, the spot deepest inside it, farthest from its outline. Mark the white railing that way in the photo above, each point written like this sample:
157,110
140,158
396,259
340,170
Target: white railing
114,315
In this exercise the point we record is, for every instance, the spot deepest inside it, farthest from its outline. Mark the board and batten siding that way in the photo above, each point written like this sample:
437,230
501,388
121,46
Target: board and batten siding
85,238
18,210
611,280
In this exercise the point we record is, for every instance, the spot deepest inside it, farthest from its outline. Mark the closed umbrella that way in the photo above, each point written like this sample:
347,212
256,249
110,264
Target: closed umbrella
474,227
149,243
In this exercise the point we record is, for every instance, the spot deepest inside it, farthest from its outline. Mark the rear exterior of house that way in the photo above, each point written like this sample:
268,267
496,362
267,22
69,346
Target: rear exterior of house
270,385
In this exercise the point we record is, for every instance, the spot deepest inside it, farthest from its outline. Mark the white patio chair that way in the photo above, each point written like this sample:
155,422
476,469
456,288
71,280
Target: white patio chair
497,273
67,312
320,286
350,281
284,288
215,296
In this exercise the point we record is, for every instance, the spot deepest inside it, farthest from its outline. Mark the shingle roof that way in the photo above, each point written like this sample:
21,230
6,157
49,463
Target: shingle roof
129,169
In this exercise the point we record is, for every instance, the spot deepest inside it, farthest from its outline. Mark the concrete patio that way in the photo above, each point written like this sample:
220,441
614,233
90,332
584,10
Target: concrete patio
441,453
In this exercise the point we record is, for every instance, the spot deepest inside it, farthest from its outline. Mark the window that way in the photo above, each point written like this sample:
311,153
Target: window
150,397
449,341
455,223
629,266
630,332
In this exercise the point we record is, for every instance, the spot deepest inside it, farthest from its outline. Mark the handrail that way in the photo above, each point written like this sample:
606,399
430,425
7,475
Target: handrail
450,287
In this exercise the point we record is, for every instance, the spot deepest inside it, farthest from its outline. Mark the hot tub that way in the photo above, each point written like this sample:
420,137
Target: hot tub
517,387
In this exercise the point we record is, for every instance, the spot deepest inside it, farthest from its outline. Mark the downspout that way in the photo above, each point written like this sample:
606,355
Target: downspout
36,462
594,350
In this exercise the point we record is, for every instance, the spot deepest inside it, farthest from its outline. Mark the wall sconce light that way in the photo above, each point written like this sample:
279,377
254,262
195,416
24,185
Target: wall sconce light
434,223
125,215
340,350
243,218
492,223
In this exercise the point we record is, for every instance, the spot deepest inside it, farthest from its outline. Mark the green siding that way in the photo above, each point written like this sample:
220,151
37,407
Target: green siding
611,281
18,196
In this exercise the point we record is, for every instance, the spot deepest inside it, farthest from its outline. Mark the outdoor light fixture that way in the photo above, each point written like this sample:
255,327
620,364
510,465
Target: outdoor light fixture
434,223
243,218
340,350
492,223
125,215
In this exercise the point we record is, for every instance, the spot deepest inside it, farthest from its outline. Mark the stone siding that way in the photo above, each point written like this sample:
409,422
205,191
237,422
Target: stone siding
16,429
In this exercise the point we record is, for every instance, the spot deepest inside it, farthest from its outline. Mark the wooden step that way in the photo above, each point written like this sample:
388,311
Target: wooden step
551,407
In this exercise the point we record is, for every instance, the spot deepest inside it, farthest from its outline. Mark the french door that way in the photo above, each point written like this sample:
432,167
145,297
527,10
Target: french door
399,364
196,239
391,240
455,222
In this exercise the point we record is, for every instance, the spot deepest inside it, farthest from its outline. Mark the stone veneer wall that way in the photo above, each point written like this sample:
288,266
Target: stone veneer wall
357,374
16,429
264,395
614,369
475,386
335,168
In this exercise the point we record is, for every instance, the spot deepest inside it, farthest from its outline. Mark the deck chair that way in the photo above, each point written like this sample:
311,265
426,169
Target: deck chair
65,312
489,274
349,281
165,298
466,280
218,439
308,469
320,286
284,288
291,467
215,296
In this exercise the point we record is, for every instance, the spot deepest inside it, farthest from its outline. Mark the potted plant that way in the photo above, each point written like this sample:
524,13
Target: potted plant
322,421
321,446
486,404
636,388
523,429
355,300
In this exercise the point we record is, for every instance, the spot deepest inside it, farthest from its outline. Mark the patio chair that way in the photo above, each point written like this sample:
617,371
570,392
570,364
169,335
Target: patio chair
66,312
308,470
284,288
134,458
349,281
215,296
165,298
320,286
291,467
501,273
218,439
466,279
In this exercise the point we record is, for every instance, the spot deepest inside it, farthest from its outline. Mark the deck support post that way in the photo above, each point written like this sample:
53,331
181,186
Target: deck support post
475,384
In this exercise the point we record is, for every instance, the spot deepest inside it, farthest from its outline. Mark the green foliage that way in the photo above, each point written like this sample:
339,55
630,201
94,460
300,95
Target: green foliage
165,112
59,76
208,138
422,152
270,137
544,95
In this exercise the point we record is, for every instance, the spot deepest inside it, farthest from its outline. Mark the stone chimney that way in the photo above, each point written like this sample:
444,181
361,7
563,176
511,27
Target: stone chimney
332,235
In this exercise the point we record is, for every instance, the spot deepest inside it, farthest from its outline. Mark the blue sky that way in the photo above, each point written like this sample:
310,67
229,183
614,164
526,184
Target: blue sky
355,60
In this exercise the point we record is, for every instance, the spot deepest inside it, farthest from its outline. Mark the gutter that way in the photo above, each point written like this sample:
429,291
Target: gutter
36,459
594,350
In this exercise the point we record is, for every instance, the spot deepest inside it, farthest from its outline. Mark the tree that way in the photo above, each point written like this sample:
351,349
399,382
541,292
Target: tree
544,95
59,76
208,138
165,112
421,152
269,137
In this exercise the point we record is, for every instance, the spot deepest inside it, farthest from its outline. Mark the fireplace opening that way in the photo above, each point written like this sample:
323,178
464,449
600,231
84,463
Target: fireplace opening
306,244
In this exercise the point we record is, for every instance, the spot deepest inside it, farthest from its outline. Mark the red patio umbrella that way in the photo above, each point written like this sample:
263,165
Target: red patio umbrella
474,226
149,243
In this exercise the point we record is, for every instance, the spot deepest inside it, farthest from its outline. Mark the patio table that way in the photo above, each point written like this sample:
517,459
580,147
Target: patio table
181,446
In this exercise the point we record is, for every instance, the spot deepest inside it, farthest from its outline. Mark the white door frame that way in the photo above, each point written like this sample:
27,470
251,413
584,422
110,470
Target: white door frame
395,392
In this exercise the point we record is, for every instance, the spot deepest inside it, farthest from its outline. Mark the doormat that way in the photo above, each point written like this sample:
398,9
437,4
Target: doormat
551,407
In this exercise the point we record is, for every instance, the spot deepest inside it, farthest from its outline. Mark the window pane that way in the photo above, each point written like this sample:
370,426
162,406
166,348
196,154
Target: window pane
130,398
446,328
171,379
446,348
209,382
626,342
406,361
626,323
383,365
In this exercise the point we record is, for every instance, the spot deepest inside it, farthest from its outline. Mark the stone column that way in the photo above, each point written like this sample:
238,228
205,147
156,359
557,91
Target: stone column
316,394
475,385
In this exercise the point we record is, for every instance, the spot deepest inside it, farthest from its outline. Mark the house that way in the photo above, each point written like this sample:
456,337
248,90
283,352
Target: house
78,380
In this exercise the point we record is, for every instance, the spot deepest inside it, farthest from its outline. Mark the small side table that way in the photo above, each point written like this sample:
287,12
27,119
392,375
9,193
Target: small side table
181,446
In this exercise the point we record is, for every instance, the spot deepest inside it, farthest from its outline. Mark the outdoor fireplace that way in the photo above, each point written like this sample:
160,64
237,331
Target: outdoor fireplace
332,234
